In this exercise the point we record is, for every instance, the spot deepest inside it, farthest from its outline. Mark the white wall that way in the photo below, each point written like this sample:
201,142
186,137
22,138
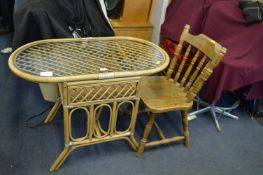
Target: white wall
157,18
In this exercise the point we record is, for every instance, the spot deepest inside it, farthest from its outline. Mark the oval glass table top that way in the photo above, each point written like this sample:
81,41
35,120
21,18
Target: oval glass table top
60,60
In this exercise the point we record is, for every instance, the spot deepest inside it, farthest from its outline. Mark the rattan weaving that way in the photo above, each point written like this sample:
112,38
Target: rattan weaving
79,94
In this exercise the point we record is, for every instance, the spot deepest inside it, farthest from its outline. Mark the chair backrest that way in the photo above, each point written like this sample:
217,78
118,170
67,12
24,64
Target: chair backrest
202,55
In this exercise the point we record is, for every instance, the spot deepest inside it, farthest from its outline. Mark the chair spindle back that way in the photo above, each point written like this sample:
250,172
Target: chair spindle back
198,61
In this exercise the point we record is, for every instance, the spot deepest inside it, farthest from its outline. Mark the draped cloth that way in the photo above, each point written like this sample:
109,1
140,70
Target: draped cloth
223,21
44,19
6,11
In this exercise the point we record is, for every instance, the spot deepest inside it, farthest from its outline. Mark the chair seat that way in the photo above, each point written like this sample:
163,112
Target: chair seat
162,95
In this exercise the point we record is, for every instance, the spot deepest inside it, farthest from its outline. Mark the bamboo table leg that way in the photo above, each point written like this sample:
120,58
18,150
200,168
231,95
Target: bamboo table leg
68,148
53,112
61,158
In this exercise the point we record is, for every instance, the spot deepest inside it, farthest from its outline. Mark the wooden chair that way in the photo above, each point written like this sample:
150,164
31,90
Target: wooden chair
177,90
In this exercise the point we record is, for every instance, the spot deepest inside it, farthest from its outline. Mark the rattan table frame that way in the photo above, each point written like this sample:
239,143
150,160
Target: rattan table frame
93,91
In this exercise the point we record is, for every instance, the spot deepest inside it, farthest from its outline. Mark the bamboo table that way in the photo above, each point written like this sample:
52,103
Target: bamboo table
91,74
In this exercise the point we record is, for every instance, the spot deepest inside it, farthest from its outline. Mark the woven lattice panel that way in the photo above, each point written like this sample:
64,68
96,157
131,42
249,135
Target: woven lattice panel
102,91
88,56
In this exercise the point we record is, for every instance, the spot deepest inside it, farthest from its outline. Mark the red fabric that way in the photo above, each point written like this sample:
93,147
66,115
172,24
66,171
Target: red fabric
223,21
169,46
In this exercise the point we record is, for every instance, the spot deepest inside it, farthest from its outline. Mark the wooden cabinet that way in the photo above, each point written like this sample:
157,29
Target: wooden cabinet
140,30
135,20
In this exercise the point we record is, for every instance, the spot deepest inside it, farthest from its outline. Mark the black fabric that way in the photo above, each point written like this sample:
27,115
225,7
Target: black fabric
44,19
85,16
252,11
114,8
6,12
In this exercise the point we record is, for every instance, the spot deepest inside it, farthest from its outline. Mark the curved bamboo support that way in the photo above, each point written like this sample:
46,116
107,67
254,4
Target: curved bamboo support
51,115
74,95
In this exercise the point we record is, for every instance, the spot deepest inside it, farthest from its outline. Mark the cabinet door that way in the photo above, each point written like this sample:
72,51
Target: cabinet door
136,11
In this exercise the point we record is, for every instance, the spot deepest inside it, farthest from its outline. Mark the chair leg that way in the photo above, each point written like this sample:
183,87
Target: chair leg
184,114
146,134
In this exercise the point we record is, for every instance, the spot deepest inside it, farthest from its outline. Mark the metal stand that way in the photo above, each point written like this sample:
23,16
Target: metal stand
215,110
